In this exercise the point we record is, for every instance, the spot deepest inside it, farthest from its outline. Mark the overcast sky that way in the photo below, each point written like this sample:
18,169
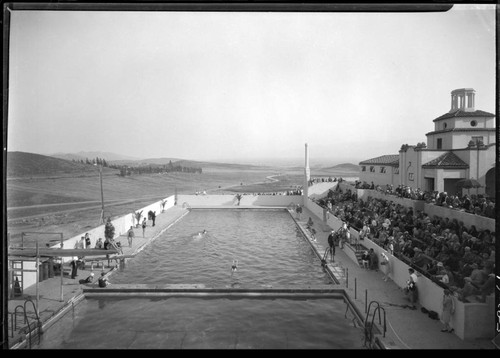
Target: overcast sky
233,85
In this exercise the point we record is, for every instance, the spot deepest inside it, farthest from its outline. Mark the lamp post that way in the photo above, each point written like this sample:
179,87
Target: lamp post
102,193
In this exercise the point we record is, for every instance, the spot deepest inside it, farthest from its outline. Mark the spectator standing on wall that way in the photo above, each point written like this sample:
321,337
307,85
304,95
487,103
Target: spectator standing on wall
153,217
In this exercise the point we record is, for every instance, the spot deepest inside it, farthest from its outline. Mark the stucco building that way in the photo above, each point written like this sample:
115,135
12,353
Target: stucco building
461,146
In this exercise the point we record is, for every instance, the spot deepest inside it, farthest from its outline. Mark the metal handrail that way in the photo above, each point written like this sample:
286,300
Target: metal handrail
39,325
369,331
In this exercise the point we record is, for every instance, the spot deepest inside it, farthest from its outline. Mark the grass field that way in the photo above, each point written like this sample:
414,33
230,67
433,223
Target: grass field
71,204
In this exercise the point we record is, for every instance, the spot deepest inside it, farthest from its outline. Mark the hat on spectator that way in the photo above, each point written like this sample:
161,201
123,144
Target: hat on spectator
440,264
467,248
417,249
474,265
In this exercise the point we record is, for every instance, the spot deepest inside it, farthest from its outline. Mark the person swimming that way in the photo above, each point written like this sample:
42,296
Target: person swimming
200,234
234,267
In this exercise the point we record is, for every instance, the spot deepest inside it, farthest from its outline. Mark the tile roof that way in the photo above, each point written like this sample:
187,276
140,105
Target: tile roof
463,130
390,159
447,160
462,113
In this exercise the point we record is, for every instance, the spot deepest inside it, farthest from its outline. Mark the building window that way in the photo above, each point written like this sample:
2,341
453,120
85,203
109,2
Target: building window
477,139
396,170
445,125
382,169
410,176
440,143
363,168
372,169
473,123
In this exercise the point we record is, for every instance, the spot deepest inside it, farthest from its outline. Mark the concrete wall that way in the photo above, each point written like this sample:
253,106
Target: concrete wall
320,190
481,222
415,204
246,200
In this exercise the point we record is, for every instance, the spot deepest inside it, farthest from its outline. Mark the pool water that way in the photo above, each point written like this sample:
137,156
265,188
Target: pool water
206,323
269,247
271,252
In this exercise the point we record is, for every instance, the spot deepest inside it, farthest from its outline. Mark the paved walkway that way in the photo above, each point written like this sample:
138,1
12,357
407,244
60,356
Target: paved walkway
406,329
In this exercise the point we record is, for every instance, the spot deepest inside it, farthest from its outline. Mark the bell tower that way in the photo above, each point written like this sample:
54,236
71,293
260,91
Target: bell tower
462,99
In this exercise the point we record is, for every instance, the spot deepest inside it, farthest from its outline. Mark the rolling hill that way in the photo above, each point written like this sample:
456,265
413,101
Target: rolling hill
22,164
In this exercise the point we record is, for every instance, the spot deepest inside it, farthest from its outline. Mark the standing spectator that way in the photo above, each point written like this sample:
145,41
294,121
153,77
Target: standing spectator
130,236
88,243
386,265
144,224
364,231
448,311
411,288
74,268
153,217
373,260
331,238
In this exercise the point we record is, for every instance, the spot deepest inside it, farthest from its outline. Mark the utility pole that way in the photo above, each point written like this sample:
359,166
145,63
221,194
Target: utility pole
102,194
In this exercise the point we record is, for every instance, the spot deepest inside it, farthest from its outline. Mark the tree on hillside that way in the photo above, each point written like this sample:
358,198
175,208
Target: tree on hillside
109,229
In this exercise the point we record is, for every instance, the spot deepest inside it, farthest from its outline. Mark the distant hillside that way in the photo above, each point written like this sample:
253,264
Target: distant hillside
22,164
184,163
345,167
107,156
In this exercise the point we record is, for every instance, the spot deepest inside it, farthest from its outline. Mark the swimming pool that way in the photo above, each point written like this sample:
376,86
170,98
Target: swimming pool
234,311
206,323
270,249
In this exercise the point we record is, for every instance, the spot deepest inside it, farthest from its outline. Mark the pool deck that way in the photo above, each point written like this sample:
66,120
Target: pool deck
406,329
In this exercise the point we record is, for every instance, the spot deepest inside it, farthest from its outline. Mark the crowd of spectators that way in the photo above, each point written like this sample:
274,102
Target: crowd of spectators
472,204
444,250
325,180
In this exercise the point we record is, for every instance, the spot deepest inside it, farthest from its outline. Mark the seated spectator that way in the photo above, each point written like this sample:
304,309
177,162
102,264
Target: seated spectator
418,259
99,244
487,288
103,281
310,223
89,279
473,282
365,259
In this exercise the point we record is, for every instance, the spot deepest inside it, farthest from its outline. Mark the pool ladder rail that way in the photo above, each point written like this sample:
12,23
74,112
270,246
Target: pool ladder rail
30,333
369,326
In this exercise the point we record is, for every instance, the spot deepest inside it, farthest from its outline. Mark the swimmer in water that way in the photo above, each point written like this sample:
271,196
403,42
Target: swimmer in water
234,267
200,234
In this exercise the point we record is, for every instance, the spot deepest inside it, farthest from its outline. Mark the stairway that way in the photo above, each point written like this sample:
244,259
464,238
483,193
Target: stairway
358,252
